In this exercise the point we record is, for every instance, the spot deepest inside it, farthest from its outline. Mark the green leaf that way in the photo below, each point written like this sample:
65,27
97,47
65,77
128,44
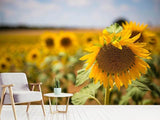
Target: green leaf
85,93
57,67
140,85
70,76
73,60
43,77
155,88
56,83
114,28
124,100
147,102
82,76
137,90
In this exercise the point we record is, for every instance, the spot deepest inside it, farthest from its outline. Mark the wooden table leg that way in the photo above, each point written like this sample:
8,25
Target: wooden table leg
66,107
67,104
57,111
56,104
50,105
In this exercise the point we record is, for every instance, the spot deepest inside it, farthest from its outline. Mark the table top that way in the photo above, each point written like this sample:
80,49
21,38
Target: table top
60,95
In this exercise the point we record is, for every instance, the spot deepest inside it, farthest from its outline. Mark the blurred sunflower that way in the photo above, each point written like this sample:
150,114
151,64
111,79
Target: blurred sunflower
136,29
153,41
4,66
67,42
34,56
49,42
88,39
8,58
116,58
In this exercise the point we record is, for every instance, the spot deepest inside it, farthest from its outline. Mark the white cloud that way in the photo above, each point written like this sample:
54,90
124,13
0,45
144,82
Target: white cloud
31,7
124,7
113,9
78,3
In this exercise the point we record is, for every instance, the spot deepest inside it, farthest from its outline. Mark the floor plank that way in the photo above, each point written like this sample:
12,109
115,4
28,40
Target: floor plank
84,112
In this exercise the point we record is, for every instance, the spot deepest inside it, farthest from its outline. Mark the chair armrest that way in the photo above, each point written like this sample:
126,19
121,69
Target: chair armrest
10,85
35,83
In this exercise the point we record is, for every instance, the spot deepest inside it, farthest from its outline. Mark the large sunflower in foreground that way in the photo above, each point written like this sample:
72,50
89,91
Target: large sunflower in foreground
116,58
49,42
67,42
145,36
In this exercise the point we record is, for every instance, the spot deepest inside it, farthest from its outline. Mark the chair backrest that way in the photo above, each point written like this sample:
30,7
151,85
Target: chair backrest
18,79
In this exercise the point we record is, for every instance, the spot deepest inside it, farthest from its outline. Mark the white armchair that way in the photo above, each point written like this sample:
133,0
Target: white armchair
14,89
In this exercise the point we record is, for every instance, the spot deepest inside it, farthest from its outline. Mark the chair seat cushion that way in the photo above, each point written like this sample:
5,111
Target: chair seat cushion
23,97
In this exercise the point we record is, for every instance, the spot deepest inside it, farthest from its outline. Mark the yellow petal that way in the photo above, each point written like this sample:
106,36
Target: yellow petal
85,57
96,78
92,49
92,73
124,80
143,62
117,45
101,40
117,81
133,39
110,80
91,60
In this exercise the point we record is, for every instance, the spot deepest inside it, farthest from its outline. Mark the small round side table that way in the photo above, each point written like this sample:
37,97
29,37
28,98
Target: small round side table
49,95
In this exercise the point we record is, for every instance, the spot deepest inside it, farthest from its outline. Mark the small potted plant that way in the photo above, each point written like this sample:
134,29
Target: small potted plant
57,89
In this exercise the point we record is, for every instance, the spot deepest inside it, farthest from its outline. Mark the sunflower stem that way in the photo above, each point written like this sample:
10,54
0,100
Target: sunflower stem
91,97
107,93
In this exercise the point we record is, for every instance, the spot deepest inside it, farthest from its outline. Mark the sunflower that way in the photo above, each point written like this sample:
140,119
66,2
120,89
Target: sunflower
145,36
49,42
67,42
116,58
8,58
4,66
153,41
88,39
34,56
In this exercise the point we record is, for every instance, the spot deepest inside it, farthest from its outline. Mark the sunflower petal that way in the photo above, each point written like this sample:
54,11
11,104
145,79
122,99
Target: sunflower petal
117,81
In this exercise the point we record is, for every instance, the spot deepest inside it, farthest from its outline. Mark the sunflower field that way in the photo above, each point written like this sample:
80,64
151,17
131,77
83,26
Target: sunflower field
117,65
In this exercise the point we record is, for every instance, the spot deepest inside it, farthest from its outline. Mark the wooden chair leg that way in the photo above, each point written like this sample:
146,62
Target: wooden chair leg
2,99
12,102
42,104
28,107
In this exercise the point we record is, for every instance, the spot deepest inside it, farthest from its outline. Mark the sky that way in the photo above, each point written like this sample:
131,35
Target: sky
78,13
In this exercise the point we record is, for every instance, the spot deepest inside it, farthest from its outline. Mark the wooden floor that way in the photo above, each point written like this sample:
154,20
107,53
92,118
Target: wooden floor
84,112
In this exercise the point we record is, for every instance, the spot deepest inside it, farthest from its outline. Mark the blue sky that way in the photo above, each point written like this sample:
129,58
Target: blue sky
78,13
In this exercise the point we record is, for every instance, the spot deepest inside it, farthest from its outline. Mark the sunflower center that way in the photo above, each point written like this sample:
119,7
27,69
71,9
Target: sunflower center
140,39
152,41
3,66
65,42
34,56
49,42
89,39
8,59
113,60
